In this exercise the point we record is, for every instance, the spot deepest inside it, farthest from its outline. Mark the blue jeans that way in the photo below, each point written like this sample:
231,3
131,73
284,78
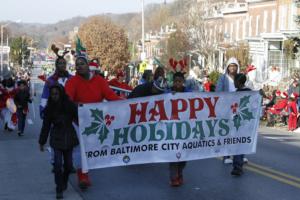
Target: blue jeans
238,161
61,177
21,120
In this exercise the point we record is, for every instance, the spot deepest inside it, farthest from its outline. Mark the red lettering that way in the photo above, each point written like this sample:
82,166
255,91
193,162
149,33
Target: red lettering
175,108
193,108
134,112
161,111
212,107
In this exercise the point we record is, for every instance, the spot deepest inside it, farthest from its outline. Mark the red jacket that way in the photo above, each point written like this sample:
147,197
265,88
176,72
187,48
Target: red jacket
93,90
279,106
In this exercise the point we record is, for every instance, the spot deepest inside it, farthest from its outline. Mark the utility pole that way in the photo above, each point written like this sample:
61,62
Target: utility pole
143,33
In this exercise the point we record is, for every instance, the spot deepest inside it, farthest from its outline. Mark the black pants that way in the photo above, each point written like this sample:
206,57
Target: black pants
61,177
21,120
176,169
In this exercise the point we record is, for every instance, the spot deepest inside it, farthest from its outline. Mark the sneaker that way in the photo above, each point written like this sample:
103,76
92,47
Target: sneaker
20,133
245,160
5,126
175,182
236,171
65,186
180,179
59,195
227,161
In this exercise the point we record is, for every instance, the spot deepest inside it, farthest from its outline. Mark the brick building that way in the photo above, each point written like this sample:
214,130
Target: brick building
263,24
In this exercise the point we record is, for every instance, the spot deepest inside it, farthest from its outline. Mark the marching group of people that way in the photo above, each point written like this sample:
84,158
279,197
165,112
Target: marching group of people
63,92
14,99
283,107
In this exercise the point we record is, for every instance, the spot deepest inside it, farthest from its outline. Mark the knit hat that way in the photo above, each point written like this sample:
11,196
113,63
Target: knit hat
278,93
284,95
294,95
160,84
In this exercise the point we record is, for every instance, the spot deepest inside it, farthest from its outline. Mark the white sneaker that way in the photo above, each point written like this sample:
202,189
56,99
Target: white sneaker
245,160
227,161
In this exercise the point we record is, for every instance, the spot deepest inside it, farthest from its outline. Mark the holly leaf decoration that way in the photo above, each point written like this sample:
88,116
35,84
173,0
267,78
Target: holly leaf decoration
95,126
243,112
243,102
97,115
98,126
103,134
237,121
246,114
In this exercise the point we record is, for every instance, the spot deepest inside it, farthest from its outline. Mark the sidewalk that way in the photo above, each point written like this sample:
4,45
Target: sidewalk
25,172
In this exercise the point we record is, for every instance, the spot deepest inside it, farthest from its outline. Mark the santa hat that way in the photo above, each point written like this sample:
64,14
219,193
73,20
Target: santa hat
278,93
294,95
284,95
94,66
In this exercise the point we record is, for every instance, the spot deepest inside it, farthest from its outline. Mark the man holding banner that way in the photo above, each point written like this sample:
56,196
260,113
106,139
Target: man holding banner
86,87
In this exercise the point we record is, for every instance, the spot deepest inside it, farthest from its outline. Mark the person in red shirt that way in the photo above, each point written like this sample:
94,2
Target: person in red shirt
292,106
206,84
119,81
85,87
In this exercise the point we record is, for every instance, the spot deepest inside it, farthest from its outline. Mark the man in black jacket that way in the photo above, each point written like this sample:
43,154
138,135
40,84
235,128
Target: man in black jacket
21,100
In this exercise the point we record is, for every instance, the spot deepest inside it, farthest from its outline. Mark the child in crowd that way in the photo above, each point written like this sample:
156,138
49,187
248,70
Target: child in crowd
59,114
21,99
239,83
176,168
293,110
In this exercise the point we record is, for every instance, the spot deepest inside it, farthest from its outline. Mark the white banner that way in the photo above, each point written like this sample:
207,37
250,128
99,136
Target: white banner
168,128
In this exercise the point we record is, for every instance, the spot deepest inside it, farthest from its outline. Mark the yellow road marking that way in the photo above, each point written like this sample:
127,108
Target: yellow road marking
283,180
274,171
273,174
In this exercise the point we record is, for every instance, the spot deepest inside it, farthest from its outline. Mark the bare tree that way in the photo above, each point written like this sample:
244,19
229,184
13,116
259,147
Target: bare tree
202,27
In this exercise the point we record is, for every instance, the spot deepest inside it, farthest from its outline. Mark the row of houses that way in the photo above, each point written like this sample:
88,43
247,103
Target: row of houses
264,25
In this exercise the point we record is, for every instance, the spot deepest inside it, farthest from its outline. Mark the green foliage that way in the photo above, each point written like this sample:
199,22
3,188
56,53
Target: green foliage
19,48
214,76
288,46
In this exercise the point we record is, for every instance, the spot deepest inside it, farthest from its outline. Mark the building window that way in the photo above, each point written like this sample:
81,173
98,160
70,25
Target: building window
237,30
250,26
273,21
257,25
265,21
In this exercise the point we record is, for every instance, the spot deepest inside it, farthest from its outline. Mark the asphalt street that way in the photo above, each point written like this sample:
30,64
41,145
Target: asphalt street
273,173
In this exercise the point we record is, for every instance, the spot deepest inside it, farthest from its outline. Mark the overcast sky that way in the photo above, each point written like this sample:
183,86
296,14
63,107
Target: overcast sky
51,11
